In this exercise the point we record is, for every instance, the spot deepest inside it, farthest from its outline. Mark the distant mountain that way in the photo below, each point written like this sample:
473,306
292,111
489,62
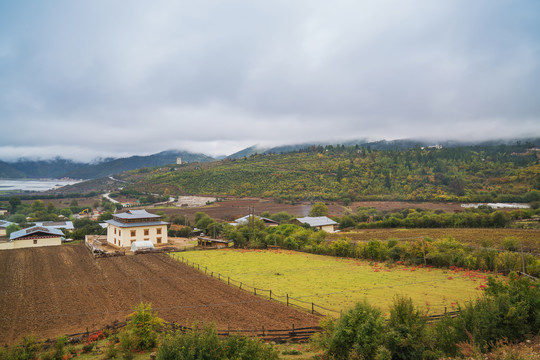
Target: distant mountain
7,171
135,162
255,149
23,168
401,144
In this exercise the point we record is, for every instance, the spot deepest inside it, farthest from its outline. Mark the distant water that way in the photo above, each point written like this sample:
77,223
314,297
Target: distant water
33,184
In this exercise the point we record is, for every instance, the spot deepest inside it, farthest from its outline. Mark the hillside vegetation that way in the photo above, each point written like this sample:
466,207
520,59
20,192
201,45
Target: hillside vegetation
474,173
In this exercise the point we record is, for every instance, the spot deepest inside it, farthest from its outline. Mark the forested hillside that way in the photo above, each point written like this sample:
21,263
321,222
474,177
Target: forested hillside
475,173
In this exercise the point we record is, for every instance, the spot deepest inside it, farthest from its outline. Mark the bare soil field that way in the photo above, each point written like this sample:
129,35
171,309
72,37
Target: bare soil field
493,237
62,290
232,208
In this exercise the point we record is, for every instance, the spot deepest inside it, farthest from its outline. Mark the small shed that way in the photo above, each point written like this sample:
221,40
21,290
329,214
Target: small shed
319,222
139,245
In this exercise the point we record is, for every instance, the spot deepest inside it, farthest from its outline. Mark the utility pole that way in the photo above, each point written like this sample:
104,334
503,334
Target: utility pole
251,219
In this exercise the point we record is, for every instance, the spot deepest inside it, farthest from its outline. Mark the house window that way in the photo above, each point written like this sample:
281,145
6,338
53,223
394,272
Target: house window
119,232
132,233
146,232
158,240
159,231
132,241
114,231
35,241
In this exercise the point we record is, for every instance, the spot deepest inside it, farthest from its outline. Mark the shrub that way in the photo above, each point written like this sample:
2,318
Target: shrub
406,337
202,343
358,332
142,326
26,351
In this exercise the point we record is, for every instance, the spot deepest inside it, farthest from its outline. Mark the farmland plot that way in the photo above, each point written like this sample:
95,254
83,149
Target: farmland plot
62,290
338,283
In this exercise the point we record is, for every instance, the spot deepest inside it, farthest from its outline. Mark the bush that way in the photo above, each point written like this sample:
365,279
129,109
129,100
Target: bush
26,351
142,327
406,337
358,332
204,344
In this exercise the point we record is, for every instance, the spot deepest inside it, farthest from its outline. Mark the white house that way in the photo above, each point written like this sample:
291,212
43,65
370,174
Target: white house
35,236
319,222
136,225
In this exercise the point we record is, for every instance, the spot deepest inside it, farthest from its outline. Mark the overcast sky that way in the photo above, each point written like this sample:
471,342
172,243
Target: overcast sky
84,79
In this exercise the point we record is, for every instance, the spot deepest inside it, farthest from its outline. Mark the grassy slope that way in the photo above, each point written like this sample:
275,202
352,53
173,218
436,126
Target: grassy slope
339,283
354,174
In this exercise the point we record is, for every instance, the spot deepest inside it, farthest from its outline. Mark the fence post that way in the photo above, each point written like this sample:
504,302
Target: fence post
263,330
219,276
212,275
240,285
292,332
270,294
288,302
312,308
254,291
228,280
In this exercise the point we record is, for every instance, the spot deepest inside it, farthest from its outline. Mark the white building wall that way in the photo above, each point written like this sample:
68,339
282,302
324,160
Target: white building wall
123,237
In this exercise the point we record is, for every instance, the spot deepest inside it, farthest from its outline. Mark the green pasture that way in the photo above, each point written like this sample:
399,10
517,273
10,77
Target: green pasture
338,283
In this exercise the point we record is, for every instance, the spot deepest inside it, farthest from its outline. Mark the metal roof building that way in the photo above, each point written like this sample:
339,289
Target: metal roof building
319,222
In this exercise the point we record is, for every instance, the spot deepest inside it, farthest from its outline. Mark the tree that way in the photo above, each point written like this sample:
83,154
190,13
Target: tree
12,228
14,201
319,209
358,334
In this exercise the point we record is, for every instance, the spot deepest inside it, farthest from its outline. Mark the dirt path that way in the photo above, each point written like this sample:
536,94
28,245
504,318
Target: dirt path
61,290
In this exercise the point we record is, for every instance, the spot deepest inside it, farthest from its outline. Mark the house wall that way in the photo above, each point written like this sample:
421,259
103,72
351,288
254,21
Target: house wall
327,228
2,232
6,245
122,237
26,243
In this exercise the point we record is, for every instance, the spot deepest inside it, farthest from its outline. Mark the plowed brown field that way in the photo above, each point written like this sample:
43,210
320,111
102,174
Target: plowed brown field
62,290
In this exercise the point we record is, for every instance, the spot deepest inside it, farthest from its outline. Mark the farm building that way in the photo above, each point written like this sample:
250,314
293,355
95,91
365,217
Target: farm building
136,225
35,236
245,219
319,222
3,226
3,211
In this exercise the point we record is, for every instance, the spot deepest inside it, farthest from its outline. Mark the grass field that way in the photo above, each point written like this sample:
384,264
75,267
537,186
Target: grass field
492,237
338,283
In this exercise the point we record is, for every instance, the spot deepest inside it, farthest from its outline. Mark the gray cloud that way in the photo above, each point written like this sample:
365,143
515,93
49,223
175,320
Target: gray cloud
111,79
